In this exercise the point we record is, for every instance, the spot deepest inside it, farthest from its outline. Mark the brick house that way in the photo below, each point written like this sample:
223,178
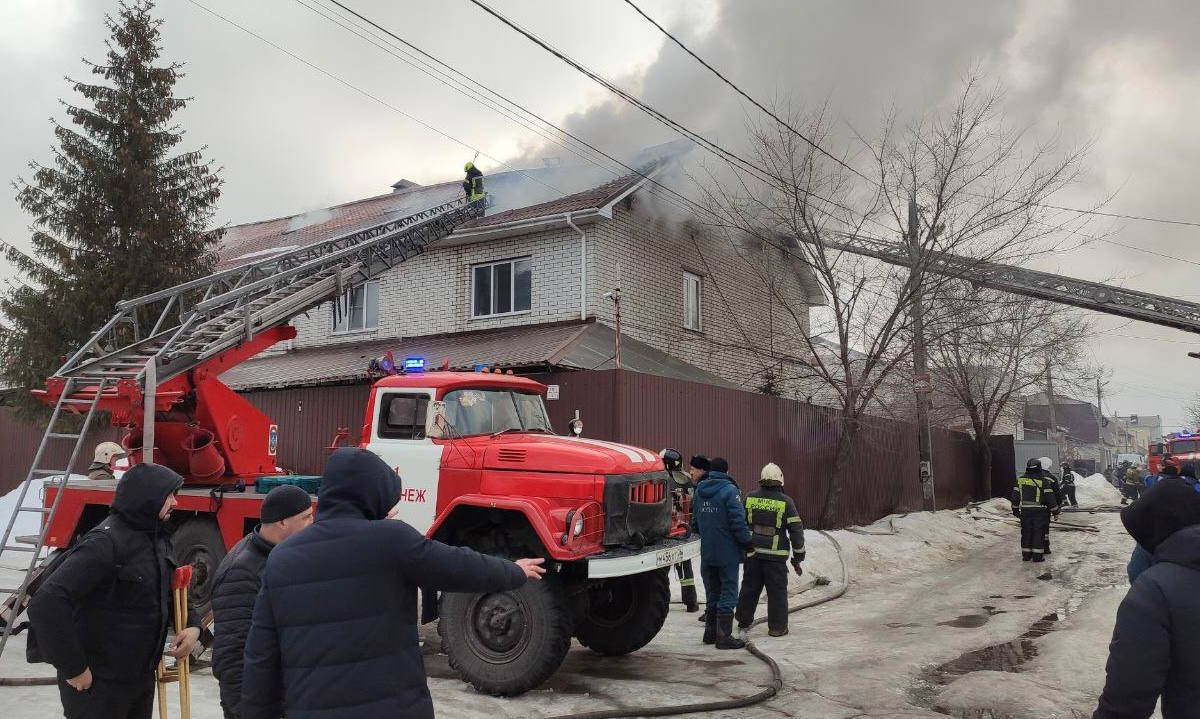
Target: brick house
525,287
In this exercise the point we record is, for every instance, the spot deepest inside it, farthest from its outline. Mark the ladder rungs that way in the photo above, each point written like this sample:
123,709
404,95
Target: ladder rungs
11,590
40,510
11,548
60,435
49,471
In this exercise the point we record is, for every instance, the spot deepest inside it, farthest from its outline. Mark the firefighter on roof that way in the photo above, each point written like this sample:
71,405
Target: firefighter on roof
778,535
1033,498
681,492
473,184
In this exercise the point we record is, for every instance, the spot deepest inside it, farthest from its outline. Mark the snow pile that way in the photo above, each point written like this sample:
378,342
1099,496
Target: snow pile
1095,491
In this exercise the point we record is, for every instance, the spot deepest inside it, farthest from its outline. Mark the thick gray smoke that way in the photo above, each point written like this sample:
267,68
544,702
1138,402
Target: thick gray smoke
1121,77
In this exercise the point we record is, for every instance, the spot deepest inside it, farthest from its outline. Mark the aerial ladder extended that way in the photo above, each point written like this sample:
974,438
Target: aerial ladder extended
163,382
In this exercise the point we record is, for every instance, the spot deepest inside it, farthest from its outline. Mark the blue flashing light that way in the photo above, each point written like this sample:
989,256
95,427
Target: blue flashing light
414,364
479,367
1182,435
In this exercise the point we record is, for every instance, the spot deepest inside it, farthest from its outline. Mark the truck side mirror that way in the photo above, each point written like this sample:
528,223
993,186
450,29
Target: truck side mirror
575,426
436,424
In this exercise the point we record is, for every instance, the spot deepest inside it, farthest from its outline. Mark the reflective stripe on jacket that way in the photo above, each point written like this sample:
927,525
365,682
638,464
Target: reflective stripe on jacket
774,523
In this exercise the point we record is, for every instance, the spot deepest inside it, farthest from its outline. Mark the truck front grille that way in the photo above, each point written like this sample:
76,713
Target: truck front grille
637,508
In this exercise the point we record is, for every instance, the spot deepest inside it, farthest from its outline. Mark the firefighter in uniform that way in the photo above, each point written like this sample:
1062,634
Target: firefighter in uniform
681,493
777,534
473,184
107,454
1033,498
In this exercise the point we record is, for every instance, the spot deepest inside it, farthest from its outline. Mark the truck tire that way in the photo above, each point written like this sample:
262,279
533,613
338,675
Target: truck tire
198,542
506,643
625,613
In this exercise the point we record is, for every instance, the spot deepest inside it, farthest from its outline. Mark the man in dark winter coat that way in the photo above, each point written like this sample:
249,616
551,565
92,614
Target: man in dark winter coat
101,618
285,511
1033,499
778,534
718,515
334,633
1153,650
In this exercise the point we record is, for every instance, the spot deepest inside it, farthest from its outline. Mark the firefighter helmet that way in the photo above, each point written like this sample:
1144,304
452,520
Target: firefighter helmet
1046,463
672,459
771,474
105,451
468,167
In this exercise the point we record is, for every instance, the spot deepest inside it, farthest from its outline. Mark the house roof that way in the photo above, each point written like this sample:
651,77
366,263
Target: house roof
566,345
516,196
1079,418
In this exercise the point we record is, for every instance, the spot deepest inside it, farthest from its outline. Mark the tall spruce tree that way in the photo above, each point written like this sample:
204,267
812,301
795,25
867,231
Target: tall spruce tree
116,215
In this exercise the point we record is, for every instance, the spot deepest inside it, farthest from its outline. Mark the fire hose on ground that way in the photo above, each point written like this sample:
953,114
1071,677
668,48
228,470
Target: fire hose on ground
735,702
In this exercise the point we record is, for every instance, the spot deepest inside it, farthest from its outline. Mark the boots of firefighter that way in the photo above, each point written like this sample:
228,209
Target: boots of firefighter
710,627
703,615
780,632
1026,556
725,636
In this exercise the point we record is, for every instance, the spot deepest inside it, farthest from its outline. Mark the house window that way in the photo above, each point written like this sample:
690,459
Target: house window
358,309
501,288
692,293
402,416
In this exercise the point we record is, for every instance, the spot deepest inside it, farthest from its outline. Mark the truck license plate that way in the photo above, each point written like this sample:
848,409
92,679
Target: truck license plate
668,557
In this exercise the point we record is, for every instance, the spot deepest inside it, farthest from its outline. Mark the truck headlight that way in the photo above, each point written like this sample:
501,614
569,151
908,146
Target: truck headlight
578,528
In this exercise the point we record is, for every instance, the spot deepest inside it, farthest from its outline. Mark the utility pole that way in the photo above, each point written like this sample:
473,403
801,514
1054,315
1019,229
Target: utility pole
922,382
1052,430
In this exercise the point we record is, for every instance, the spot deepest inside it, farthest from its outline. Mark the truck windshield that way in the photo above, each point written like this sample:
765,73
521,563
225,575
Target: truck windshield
1186,446
487,411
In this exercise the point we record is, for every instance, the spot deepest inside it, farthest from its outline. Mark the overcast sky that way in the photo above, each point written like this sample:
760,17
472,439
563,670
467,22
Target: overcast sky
1123,76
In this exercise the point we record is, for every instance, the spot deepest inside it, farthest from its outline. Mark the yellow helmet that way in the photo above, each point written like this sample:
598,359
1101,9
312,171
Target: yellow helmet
468,166
105,451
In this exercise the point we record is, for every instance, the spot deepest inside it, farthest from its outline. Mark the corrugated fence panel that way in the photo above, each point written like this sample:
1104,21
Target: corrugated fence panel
308,419
19,441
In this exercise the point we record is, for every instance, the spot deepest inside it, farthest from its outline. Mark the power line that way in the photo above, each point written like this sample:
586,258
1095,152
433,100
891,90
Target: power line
823,151
369,95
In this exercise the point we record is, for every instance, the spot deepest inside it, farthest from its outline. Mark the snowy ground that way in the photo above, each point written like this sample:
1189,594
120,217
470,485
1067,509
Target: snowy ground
941,618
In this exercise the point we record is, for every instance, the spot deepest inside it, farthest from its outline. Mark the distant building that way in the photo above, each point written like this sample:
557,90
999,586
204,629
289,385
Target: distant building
1085,437
1142,430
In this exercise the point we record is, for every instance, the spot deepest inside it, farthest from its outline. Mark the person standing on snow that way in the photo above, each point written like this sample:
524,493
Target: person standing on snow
777,534
1055,487
334,632
1033,498
1135,483
1068,486
1153,649
286,510
101,617
681,492
718,515
104,461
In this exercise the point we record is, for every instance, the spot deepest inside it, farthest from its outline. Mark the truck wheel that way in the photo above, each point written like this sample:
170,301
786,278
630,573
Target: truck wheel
198,543
625,613
506,643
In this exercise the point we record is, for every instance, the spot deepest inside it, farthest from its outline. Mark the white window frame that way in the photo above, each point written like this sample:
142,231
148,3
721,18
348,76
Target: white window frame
345,300
512,287
690,280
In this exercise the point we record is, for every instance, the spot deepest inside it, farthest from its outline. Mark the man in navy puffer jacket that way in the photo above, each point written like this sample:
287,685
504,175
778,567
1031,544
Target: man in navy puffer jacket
718,515
334,633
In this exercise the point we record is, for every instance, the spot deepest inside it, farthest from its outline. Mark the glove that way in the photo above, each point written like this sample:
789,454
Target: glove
1016,511
747,553
796,567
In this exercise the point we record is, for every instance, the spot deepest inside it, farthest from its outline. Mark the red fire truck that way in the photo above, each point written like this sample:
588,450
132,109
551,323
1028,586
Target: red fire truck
1180,446
479,462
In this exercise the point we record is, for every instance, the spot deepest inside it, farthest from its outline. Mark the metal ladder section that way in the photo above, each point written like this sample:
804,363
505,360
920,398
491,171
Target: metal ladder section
200,319
72,399
1109,299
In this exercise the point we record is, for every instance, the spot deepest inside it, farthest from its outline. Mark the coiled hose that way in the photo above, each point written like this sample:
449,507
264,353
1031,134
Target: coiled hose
735,702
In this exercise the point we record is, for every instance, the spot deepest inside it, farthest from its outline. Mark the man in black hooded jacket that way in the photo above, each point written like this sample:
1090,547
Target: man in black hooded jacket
286,510
334,633
101,618
1153,650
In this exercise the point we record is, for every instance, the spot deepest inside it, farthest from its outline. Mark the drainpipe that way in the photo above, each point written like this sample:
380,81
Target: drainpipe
582,267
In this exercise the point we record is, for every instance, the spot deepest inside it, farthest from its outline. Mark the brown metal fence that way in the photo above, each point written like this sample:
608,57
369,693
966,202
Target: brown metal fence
746,428
751,429
19,441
